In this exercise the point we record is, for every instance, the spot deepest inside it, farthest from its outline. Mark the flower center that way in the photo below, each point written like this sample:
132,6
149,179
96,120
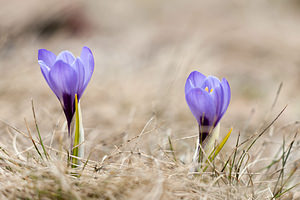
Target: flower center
206,89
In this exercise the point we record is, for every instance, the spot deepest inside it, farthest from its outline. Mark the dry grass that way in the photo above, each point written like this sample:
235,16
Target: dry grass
144,51
129,172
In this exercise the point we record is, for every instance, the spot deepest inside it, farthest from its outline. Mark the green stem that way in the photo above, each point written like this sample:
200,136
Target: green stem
75,150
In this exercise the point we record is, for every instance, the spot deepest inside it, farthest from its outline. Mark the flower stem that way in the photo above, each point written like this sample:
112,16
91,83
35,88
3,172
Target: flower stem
206,143
77,148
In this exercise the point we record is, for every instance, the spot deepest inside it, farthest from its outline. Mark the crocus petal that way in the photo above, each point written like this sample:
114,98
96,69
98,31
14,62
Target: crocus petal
67,76
66,56
68,103
213,85
218,97
88,61
202,106
47,57
63,79
227,95
195,80
64,83
211,82
207,95
45,70
80,69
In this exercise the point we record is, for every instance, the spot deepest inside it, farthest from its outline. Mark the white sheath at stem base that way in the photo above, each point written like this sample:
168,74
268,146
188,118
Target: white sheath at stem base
77,136
81,135
207,145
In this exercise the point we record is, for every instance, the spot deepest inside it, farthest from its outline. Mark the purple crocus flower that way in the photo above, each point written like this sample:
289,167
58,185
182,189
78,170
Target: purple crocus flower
208,99
67,75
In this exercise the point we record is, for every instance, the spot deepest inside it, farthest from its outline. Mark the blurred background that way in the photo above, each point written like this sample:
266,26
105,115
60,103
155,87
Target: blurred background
144,51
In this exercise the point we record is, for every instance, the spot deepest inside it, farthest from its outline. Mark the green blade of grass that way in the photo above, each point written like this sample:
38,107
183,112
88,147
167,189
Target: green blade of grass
217,150
285,191
172,149
33,142
38,131
242,157
85,163
234,153
284,160
233,160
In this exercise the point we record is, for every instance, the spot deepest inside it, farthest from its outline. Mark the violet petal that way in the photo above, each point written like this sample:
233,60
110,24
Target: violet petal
202,106
79,67
227,95
66,56
47,57
88,61
195,80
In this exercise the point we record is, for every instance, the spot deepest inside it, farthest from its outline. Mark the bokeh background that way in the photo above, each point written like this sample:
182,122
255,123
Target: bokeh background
144,51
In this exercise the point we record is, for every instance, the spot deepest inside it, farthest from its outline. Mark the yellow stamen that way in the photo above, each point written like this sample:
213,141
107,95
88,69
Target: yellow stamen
206,89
